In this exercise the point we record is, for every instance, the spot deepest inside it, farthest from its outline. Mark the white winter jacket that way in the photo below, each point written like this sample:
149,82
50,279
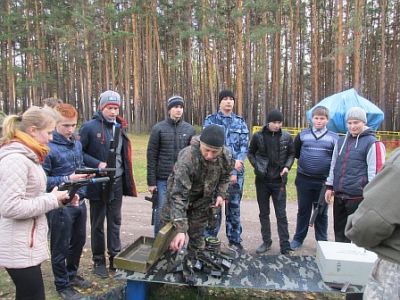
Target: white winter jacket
23,204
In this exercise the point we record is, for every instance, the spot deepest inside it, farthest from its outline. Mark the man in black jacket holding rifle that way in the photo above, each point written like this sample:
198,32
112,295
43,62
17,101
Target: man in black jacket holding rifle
104,142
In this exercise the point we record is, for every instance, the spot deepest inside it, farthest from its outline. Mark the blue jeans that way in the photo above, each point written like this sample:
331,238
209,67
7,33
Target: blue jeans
162,195
67,228
276,191
308,191
232,212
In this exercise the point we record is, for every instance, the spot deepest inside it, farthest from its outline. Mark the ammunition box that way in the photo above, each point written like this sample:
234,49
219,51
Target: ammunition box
144,252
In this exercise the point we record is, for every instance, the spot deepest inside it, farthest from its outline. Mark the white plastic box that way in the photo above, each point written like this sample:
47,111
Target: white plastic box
344,262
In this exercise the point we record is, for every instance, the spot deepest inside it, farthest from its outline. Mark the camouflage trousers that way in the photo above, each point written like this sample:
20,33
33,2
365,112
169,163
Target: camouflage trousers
232,212
384,281
197,221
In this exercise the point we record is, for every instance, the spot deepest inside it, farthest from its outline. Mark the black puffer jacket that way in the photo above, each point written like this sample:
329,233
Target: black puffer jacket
270,152
167,138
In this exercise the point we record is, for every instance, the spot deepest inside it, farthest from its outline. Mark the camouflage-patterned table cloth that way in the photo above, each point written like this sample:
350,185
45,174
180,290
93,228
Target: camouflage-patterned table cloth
274,272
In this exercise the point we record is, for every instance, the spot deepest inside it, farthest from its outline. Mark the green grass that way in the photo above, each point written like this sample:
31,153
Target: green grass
139,145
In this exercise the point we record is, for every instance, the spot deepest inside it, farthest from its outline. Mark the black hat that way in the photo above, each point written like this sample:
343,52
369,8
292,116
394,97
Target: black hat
225,93
213,136
274,116
174,101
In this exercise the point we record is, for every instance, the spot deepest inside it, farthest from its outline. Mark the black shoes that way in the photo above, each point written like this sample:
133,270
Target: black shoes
112,267
100,270
80,282
70,294
264,247
288,252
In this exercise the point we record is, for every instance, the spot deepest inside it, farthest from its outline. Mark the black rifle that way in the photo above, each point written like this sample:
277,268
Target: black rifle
97,171
72,186
321,206
111,163
154,200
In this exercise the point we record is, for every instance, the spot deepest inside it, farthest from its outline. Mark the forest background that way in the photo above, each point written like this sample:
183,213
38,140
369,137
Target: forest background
286,54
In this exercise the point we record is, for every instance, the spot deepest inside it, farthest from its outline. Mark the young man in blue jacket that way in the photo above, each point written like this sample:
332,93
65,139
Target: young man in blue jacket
105,200
67,224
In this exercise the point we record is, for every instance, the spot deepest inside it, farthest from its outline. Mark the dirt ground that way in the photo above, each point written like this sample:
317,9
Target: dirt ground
136,222
137,216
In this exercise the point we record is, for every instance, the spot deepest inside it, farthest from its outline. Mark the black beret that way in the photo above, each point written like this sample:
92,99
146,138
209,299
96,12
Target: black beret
213,135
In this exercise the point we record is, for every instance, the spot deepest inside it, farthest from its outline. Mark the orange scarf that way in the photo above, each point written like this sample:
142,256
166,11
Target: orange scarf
40,150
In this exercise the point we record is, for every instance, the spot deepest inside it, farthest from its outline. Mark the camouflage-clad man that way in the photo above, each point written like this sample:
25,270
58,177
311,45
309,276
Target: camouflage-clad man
237,140
199,180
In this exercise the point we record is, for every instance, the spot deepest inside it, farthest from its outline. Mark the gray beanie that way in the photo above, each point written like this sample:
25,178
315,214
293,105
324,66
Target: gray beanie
357,113
213,136
175,101
109,98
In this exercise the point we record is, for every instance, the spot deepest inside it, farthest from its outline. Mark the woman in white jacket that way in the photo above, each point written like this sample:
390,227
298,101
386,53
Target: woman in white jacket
23,201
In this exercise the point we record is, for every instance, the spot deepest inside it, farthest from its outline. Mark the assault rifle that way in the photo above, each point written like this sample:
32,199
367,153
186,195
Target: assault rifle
111,163
97,171
72,186
321,207
211,261
154,200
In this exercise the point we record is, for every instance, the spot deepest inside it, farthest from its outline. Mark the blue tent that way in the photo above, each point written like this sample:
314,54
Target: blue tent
338,104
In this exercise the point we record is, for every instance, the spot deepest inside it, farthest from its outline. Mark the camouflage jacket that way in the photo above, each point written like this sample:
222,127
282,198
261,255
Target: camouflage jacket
236,134
195,183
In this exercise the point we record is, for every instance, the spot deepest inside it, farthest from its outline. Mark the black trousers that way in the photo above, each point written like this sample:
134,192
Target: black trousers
277,192
342,208
28,283
110,210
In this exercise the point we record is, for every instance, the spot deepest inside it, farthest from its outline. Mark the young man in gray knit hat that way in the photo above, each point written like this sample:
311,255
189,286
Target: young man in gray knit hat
96,136
356,159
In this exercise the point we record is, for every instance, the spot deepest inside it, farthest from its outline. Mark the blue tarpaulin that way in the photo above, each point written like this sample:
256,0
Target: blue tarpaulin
338,104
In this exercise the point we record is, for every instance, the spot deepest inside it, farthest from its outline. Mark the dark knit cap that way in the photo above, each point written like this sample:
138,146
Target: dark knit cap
274,116
213,136
225,93
175,101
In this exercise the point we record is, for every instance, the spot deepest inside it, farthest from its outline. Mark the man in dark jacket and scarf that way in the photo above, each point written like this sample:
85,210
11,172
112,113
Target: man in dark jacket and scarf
95,136
167,138
271,153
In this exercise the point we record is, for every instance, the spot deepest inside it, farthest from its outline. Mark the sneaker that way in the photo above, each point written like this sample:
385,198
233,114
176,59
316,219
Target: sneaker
287,252
100,270
294,245
264,247
70,294
80,282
